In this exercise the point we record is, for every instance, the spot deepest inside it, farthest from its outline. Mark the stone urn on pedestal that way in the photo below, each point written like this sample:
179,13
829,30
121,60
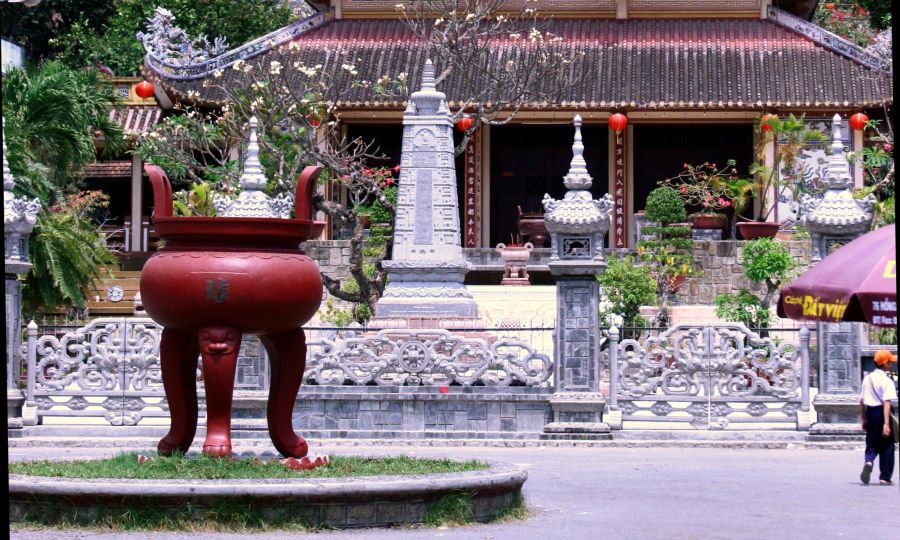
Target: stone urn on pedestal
515,259
218,278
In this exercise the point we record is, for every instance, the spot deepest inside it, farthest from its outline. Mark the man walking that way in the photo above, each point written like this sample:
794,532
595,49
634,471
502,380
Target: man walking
875,412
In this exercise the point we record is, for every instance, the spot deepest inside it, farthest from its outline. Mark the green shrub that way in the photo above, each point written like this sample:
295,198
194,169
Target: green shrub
627,287
378,212
664,206
743,307
767,260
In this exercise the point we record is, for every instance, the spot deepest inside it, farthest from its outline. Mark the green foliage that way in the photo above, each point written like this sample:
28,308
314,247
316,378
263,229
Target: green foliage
68,254
664,206
851,21
197,201
82,32
743,307
378,212
52,113
339,317
766,259
627,286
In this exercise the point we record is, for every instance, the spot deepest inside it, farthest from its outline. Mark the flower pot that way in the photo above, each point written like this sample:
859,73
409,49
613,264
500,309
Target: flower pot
708,221
758,229
677,282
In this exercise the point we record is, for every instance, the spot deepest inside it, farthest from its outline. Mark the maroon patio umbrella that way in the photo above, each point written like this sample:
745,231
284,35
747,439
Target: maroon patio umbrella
855,283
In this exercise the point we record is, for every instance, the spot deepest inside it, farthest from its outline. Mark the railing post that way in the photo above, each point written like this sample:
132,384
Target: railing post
804,368
32,363
613,368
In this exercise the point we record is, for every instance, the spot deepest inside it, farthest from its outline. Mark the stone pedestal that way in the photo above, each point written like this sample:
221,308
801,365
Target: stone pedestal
706,234
840,382
427,268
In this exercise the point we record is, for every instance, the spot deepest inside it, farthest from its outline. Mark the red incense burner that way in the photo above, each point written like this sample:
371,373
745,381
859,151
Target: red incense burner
216,279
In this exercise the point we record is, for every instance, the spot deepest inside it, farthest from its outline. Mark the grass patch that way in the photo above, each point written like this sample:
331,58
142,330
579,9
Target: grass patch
202,467
224,517
516,511
450,510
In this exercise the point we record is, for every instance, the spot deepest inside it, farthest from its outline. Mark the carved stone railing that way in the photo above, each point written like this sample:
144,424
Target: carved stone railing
426,357
109,368
827,39
710,376
248,50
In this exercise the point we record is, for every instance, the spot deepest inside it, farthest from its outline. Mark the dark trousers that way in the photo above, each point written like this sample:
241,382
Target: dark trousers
877,444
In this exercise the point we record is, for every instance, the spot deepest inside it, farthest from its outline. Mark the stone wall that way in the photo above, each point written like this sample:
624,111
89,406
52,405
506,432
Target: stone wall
333,256
720,261
723,273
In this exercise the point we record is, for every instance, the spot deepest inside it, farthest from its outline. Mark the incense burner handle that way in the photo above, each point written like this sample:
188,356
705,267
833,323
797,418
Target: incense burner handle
306,188
162,191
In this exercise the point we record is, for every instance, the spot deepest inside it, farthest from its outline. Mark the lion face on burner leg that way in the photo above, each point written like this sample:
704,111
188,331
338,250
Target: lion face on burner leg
219,341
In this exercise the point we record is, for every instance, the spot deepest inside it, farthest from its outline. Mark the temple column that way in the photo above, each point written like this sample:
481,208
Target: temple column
472,192
137,203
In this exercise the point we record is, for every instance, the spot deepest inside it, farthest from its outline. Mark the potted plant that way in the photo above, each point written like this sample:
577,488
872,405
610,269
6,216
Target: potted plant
668,251
705,187
768,182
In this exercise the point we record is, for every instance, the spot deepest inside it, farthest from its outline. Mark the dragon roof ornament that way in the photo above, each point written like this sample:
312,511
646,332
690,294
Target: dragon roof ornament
817,34
171,52
170,44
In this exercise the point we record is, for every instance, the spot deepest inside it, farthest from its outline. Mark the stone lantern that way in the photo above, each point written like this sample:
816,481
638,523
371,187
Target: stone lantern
833,220
19,215
577,225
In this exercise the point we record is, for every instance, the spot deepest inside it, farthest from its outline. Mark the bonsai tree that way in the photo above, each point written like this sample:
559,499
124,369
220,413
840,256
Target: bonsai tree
668,254
765,261
624,288
705,186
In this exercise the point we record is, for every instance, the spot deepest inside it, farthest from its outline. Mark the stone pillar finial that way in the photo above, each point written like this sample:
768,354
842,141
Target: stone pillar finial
253,178
253,202
428,76
578,177
838,169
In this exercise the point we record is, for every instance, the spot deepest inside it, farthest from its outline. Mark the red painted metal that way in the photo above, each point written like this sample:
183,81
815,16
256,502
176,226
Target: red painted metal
216,279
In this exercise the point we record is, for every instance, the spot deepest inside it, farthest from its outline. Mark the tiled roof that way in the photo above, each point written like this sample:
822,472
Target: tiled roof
136,118
108,169
639,64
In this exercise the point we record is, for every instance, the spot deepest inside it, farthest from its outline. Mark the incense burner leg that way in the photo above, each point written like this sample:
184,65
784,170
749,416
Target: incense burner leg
219,346
287,361
178,361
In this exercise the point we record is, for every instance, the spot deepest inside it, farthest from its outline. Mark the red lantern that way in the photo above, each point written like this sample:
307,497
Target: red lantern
764,122
144,89
464,123
858,121
618,121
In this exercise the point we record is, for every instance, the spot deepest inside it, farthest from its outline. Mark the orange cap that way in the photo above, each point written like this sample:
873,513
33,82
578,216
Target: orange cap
883,357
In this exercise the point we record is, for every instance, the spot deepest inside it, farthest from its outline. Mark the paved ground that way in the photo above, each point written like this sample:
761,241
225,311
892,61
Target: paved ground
640,493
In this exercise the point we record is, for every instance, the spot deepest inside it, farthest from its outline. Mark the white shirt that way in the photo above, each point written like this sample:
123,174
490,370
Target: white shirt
877,388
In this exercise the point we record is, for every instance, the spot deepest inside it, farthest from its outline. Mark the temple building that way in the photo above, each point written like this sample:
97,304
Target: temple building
691,76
